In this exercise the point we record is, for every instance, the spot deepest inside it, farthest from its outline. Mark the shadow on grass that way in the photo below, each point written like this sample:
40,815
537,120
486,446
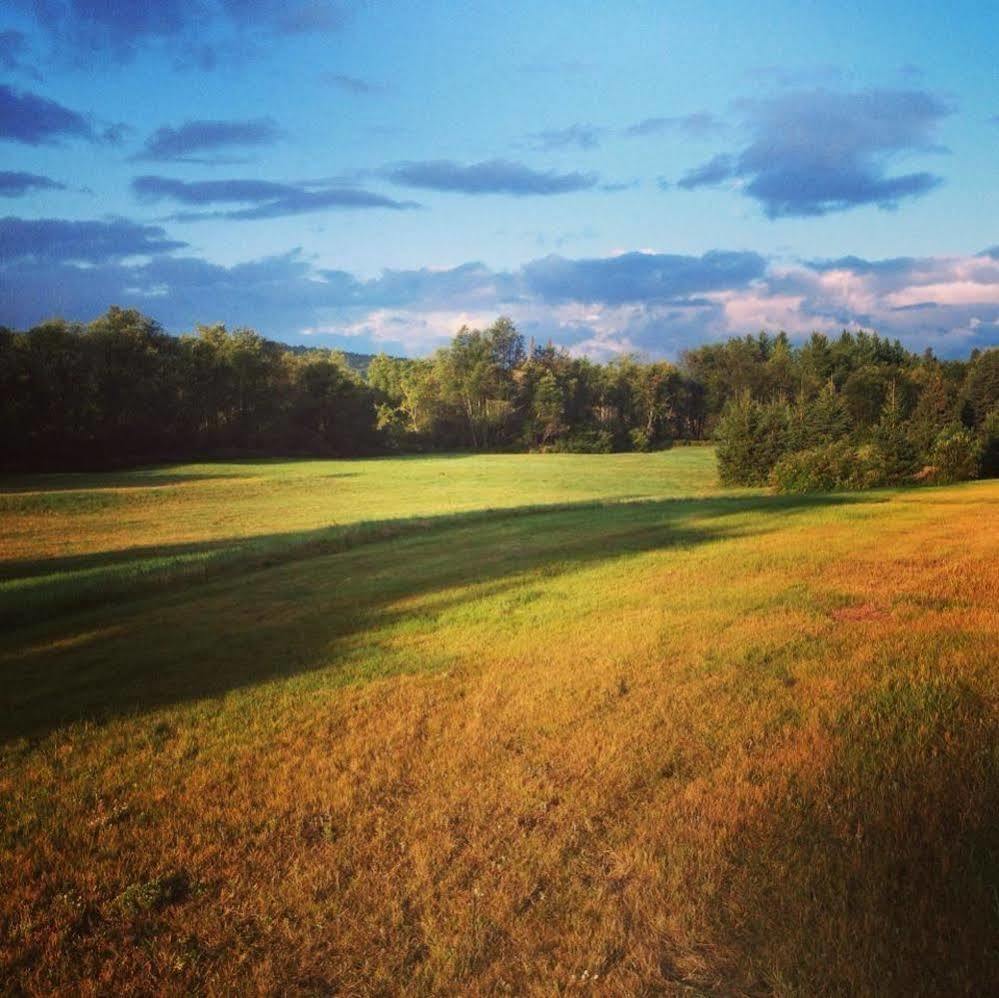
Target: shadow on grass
279,607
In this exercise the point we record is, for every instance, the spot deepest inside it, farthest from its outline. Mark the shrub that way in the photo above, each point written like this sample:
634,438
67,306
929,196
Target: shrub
640,440
152,895
585,442
956,455
838,465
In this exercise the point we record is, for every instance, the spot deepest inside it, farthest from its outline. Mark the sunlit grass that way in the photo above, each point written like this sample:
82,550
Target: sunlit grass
72,540
676,739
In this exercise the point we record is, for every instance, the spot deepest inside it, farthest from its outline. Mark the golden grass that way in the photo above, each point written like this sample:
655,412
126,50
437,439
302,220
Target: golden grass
745,744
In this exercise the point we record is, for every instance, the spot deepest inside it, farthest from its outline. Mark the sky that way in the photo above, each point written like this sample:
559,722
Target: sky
630,177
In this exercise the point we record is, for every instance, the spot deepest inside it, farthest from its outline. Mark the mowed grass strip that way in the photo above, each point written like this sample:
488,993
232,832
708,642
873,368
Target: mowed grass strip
69,541
739,744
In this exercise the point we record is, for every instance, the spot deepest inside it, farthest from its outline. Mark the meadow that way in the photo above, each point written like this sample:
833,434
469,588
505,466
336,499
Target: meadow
496,724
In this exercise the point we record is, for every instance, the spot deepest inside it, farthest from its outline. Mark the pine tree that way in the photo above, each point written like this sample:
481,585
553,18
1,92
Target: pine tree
898,454
934,410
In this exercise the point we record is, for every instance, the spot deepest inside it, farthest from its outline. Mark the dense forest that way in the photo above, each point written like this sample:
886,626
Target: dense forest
850,411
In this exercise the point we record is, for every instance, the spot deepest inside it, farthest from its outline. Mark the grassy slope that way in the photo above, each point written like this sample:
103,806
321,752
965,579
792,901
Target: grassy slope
737,742
73,540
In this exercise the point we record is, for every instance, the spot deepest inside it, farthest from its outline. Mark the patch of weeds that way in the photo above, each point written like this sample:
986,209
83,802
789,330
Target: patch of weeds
110,813
319,827
190,952
154,895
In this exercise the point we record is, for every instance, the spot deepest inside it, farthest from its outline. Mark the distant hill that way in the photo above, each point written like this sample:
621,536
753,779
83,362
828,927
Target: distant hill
356,361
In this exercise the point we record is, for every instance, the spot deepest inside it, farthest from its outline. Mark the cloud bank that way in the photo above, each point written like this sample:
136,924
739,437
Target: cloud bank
658,303
815,152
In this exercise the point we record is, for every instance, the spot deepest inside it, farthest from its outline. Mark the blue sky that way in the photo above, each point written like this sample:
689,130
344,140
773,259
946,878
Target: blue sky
631,176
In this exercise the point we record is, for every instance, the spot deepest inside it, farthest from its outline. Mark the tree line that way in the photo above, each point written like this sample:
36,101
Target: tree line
120,390
855,412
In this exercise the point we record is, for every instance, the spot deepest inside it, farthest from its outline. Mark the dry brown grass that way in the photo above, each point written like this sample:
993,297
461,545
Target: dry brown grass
765,763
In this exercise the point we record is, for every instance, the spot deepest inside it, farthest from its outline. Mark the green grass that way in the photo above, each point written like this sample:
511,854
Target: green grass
502,724
112,536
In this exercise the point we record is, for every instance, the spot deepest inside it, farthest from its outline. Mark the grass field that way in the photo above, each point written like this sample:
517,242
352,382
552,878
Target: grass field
534,724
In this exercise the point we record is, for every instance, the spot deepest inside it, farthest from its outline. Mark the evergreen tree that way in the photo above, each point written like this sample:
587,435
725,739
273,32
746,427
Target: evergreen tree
934,410
897,453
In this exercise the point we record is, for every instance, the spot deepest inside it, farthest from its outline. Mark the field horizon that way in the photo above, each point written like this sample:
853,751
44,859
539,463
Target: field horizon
378,726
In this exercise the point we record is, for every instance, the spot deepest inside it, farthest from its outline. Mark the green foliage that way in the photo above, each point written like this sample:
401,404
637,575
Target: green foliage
832,466
981,385
751,437
153,895
586,442
956,455
864,392
934,410
990,444
826,440
890,436
640,439
120,390
820,420
547,409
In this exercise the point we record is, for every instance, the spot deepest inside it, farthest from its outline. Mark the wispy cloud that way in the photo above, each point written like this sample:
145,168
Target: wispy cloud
13,50
197,141
34,120
15,184
495,176
62,240
353,85
581,136
696,125
262,198
714,171
119,30
154,188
